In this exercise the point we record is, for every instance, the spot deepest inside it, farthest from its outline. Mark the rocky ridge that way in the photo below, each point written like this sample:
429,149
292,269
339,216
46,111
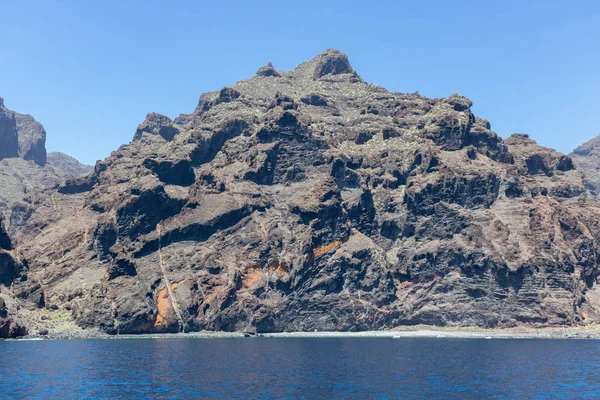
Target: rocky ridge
310,199
587,160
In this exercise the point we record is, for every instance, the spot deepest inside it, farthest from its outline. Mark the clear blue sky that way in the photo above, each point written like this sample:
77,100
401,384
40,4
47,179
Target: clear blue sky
91,70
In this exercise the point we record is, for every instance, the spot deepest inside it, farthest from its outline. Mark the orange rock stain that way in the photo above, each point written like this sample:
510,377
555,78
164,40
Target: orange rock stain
164,304
163,307
252,276
279,268
319,251
211,296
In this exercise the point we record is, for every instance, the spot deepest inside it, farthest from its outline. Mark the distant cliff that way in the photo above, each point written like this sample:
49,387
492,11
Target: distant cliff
587,159
25,167
21,136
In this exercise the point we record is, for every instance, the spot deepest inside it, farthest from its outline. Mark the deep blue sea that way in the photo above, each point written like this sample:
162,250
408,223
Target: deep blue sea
293,368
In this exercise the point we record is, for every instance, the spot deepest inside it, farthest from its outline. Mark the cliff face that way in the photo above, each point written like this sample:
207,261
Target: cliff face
587,159
21,136
10,268
310,200
26,170
9,139
32,139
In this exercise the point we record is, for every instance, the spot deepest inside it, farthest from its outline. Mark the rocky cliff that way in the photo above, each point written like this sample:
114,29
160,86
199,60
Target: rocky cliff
21,136
311,199
587,160
10,269
26,170
9,139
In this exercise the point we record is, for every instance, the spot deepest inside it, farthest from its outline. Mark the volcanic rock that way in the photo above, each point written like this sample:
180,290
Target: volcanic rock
157,124
4,238
268,70
9,139
32,139
587,159
67,166
268,210
21,136
331,62
26,170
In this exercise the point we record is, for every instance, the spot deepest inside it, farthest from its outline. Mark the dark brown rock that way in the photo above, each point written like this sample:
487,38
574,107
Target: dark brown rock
228,94
268,70
11,325
9,329
157,124
315,100
332,62
283,101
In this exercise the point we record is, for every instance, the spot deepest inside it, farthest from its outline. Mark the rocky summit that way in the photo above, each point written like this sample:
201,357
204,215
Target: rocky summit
311,199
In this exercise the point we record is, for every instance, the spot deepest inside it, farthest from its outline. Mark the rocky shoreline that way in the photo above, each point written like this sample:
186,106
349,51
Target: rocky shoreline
421,331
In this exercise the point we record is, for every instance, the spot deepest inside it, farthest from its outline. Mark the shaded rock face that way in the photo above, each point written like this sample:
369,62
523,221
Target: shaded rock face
587,159
9,139
32,139
10,268
4,238
9,329
315,200
10,326
21,136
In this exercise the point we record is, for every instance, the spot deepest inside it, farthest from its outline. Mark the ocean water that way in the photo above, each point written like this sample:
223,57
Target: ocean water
300,368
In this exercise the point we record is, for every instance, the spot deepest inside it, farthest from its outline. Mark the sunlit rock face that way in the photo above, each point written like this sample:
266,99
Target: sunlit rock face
587,159
311,199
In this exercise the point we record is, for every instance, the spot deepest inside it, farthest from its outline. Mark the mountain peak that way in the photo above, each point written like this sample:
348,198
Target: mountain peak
333,62
318,201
